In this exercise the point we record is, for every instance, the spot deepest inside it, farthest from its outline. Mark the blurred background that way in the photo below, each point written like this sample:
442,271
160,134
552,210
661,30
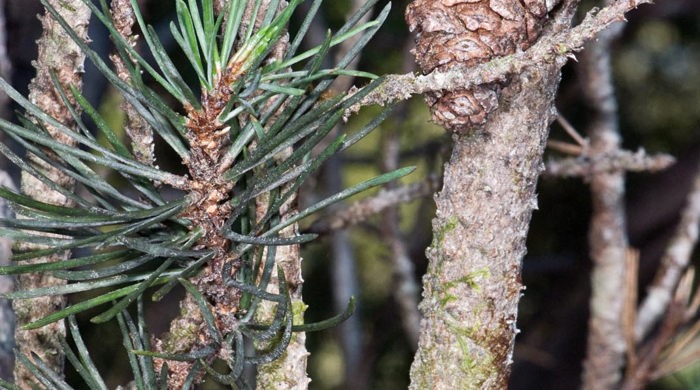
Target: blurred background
380,259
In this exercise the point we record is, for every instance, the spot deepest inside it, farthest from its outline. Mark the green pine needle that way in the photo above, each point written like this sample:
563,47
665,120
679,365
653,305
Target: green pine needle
252,109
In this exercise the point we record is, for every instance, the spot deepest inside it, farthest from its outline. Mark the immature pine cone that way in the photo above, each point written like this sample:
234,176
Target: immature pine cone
469,32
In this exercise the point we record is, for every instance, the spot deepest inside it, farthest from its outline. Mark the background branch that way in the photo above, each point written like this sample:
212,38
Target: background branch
673,263
586,165
607,236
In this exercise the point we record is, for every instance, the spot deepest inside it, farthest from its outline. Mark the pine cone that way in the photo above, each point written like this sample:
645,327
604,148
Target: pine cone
469,32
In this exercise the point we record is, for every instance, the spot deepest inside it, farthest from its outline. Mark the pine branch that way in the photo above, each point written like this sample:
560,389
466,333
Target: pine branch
59,55
473,284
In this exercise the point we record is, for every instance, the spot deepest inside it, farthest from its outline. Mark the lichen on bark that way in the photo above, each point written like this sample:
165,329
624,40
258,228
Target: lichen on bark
472,287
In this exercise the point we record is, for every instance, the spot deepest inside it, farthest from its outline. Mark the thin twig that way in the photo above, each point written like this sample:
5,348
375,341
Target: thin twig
586,165
362,210
571,131
565,147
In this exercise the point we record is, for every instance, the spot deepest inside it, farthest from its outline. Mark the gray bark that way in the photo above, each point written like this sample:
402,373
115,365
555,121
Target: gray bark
473,286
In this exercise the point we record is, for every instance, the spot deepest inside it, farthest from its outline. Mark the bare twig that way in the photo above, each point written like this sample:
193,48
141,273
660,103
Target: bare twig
586,165
673,263
607,234
571,131
629,312
363,209
565,147
581,145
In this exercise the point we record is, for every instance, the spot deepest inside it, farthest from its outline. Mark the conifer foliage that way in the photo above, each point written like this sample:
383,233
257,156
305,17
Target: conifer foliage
131,242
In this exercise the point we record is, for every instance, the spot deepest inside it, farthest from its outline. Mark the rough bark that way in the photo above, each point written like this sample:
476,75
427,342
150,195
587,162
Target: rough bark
473,286
59,54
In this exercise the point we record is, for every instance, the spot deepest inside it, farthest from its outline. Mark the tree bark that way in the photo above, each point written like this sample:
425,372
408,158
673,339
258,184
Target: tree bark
472,287
58,54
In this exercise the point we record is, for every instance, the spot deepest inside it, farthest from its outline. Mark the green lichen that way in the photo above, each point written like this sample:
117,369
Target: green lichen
447,227
275,375
447,298
471,279
476,360
180,337
298,310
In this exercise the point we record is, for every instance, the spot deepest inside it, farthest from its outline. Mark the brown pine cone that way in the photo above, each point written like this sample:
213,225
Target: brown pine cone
469,32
